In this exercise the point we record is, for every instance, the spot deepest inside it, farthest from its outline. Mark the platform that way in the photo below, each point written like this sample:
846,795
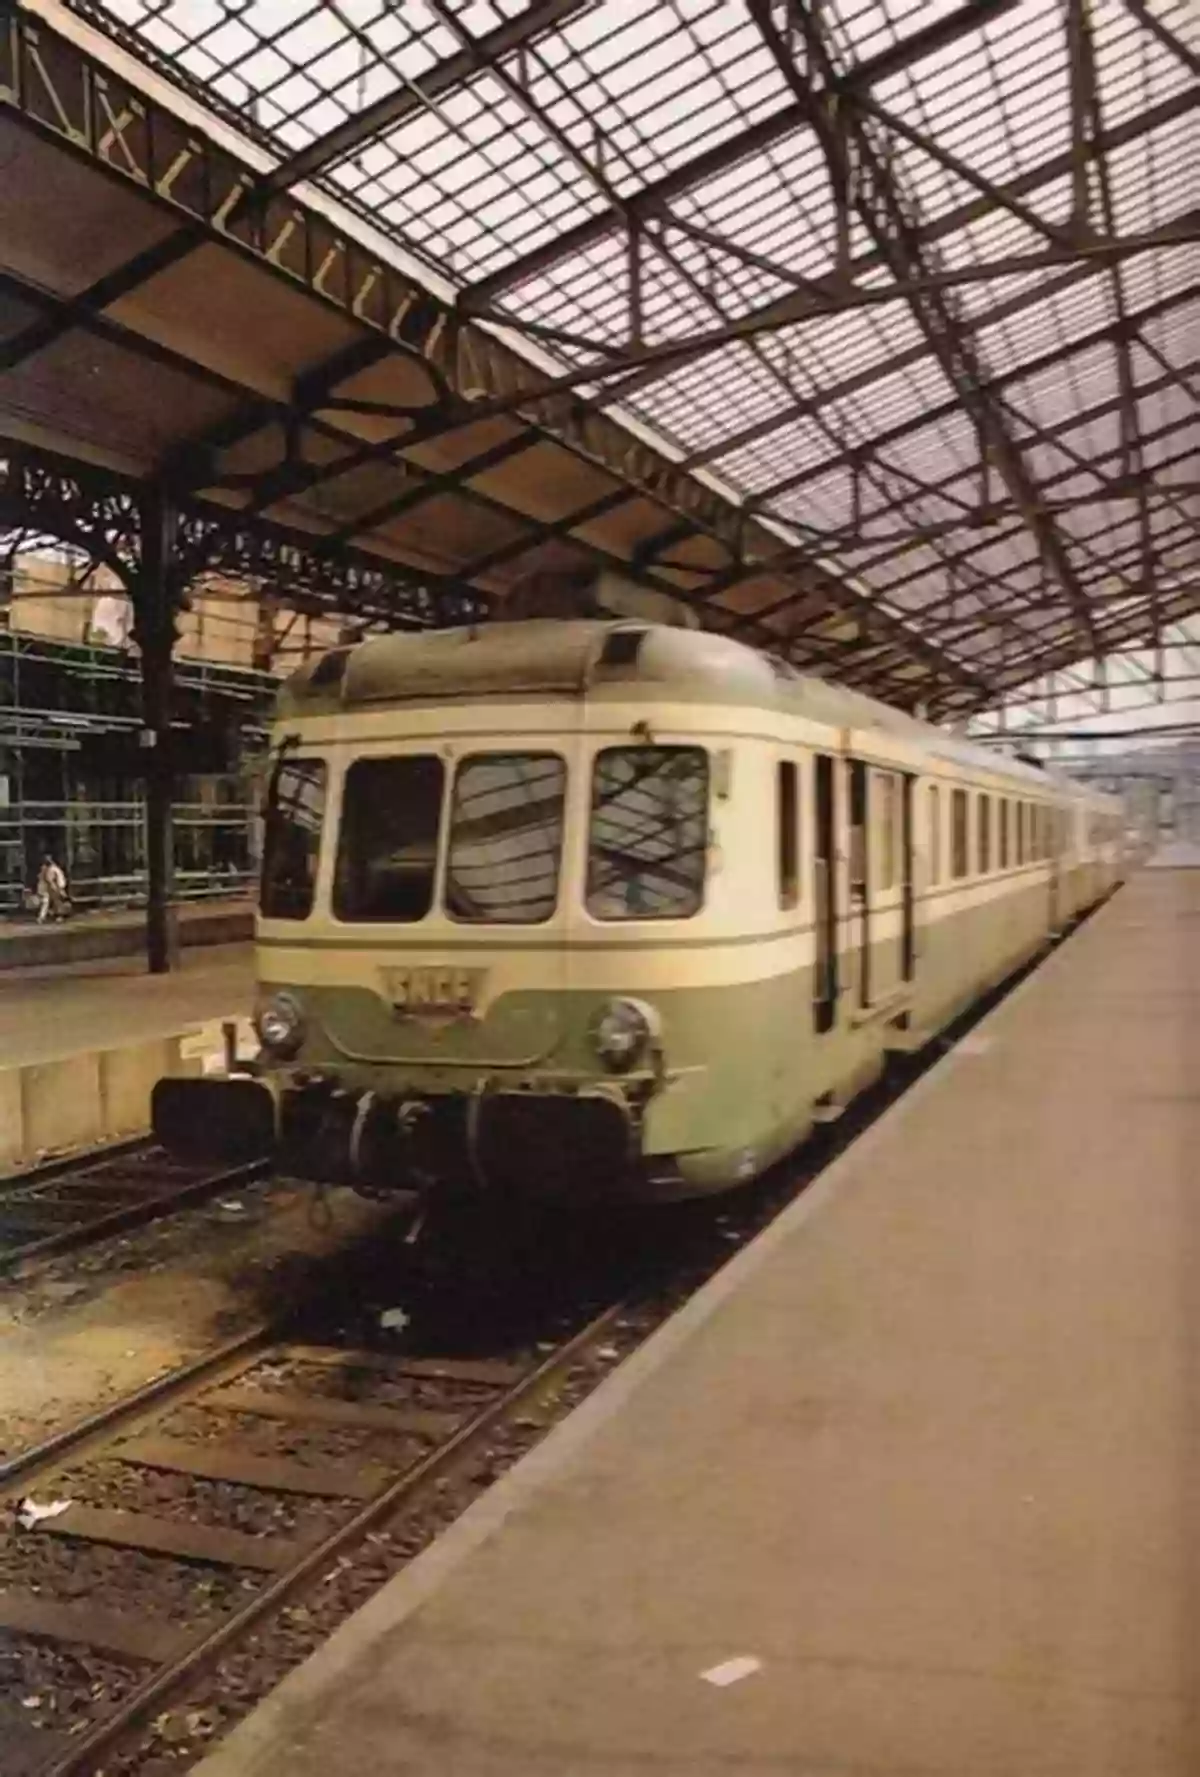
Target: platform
928,1450
1179,854
48,1014
88,937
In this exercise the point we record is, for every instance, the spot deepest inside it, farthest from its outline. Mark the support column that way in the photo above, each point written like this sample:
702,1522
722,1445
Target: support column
155,605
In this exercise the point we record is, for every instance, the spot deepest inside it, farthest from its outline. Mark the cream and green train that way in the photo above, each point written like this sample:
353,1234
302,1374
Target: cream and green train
598,910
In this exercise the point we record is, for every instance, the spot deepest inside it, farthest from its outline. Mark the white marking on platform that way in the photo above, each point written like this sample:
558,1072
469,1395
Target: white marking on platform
730,1671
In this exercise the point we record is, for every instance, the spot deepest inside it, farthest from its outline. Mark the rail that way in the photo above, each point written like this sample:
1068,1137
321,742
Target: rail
420,1419
72,1202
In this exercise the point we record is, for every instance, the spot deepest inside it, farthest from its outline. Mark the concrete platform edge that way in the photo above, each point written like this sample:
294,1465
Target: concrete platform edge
403,1595
97,1095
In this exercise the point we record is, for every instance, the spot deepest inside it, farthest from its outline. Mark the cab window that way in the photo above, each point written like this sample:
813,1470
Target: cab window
388,844
292,838
648,833
506,835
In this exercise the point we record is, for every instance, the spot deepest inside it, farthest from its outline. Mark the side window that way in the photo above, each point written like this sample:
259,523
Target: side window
787,820
935,835
985,835
1002,807
388,845
958,833
648,834
506,835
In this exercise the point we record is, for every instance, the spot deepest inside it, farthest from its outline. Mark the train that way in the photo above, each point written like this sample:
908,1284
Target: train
610,908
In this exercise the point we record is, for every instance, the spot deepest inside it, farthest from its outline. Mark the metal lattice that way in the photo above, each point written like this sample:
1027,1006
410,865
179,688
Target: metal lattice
908,296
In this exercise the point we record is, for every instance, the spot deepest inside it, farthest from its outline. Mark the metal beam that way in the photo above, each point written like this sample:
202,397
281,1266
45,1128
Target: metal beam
1137,485
669,353
599,179
407,101
959,564
947,409
77,105
1173,372
1131,130
99,512
981,624
1086,94
999,197
157,595
861,164
653,199
977,516
1149,20
1125,627
99,295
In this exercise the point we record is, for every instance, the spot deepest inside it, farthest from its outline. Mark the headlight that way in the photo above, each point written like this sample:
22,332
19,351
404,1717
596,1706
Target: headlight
621,1034
280,1025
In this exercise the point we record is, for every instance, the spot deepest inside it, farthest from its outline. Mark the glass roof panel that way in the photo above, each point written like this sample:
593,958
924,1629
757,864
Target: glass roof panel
963,296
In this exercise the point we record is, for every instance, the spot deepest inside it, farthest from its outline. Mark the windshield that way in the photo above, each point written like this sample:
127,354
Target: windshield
292,838
648,838
506,837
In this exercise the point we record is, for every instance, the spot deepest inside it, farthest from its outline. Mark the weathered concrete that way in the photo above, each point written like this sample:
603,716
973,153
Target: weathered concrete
79,1053
60,1104
77,1101
127,1077
12,1125
928,1450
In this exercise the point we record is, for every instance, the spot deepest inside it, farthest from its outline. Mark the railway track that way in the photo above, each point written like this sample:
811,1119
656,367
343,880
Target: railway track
203,1507
71,1202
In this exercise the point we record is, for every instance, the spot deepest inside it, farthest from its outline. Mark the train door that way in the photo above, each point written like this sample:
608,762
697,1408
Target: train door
825,893
908,928
889,882
1053,825
860,885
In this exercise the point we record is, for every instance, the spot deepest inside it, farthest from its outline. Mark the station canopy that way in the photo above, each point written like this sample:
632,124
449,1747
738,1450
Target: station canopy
870,327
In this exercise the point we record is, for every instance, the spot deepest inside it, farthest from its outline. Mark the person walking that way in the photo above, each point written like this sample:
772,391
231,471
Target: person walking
51,891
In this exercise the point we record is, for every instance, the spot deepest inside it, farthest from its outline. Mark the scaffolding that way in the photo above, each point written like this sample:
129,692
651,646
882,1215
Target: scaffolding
68,791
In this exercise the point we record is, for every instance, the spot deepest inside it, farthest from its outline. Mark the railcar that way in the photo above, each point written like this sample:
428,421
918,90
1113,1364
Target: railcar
610,908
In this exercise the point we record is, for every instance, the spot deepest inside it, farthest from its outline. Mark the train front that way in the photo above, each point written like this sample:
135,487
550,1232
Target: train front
438,1009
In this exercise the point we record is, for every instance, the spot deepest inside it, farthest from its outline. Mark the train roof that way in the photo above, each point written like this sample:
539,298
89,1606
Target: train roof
540,657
